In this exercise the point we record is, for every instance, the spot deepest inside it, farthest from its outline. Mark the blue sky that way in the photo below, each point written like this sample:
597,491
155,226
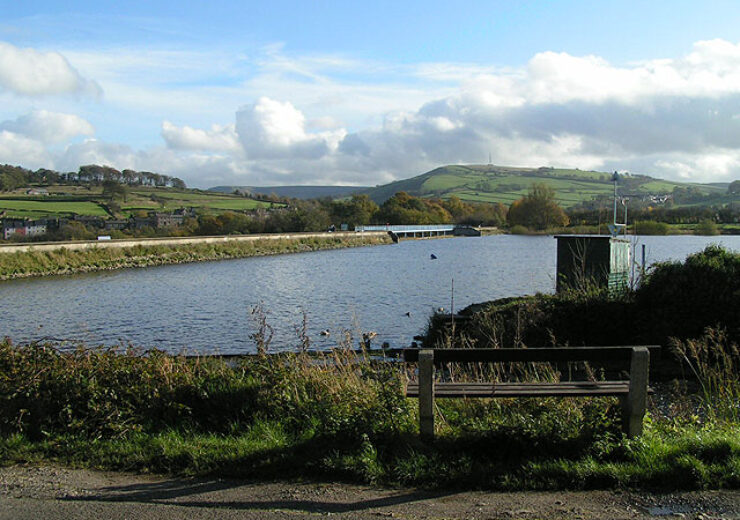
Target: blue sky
258,93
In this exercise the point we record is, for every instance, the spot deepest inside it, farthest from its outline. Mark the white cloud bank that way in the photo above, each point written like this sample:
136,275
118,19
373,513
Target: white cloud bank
28,72
48,127
674,118
26,140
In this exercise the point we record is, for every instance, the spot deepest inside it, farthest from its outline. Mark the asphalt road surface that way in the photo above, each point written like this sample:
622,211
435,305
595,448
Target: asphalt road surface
50,493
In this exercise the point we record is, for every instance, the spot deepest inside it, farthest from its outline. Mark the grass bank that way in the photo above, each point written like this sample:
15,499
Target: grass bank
674,300
65,261
342,416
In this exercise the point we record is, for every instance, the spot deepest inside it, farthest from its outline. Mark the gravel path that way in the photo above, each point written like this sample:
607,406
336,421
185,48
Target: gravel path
50,493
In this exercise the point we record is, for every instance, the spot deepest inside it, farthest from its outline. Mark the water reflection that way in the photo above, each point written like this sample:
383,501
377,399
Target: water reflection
206,306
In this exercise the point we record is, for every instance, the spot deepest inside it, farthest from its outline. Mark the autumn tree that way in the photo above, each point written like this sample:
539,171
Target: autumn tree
357,211
403,208
537,210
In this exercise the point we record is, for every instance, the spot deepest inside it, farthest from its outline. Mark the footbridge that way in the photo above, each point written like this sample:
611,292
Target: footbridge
423,231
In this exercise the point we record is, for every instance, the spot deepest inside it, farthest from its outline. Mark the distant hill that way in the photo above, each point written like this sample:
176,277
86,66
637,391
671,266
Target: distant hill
295,192
504,184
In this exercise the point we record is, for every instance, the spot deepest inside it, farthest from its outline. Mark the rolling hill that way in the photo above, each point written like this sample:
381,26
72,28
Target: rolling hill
502,184
489,183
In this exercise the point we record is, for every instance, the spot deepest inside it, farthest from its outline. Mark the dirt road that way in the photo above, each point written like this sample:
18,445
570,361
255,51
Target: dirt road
50,493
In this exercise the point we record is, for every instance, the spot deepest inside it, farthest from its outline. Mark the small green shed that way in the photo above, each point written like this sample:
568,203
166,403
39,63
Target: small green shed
593,259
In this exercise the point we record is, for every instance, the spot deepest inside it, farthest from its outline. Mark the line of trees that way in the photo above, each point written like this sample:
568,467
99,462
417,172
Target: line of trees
13,177
727,214
320,214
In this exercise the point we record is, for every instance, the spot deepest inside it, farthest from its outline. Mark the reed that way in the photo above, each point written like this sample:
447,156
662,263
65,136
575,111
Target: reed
713,361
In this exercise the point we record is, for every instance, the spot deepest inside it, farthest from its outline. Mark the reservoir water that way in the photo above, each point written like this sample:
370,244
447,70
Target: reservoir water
206,307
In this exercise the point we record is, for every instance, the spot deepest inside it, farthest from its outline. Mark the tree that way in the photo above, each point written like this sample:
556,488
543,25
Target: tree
734,188
12,177
403,208
112,189
357,211
537,210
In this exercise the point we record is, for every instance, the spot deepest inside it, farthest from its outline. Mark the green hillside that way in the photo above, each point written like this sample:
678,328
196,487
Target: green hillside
69,200
489,183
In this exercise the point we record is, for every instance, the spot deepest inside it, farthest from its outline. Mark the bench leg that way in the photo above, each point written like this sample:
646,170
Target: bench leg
426,393
635,404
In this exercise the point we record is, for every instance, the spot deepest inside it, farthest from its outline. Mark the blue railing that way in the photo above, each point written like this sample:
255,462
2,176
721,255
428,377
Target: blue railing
396,229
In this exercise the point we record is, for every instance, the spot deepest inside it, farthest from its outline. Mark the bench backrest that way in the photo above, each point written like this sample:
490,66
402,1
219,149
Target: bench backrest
553,354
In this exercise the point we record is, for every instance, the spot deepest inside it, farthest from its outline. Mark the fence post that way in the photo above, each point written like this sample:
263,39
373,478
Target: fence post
634,406
426,393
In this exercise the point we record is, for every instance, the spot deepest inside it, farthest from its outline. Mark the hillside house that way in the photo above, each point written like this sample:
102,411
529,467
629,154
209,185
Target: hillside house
158,220
165,220
116,224
23,227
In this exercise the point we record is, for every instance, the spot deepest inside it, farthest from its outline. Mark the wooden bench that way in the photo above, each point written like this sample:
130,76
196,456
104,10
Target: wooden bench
632,393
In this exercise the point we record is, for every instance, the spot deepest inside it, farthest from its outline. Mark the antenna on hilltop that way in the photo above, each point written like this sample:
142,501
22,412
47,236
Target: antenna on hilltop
489,159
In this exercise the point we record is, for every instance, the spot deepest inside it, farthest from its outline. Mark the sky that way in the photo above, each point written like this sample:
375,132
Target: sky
364,93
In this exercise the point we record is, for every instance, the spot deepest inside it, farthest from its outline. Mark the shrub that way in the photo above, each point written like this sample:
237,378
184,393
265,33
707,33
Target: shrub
681,299
707,228
105,392
518,229
651,227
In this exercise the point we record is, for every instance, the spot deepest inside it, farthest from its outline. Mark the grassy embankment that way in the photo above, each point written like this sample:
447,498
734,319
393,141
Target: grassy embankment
291,416
65,261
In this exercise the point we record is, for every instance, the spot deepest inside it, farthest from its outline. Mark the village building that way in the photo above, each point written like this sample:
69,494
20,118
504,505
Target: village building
116,224
165,220
23,227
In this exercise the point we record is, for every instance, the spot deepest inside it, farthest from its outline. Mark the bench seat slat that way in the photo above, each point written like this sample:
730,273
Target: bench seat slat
563,389
548,355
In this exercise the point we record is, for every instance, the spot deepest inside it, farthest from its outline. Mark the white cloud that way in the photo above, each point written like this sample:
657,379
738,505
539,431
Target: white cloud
275,129
92,151
218,138
29,72
49,127
708,166
20,150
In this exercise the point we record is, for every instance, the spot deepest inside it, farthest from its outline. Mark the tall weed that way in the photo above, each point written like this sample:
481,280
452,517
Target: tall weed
714,360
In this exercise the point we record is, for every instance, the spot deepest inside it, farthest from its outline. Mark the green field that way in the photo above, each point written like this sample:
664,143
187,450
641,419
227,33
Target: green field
90,202
38,209
169,200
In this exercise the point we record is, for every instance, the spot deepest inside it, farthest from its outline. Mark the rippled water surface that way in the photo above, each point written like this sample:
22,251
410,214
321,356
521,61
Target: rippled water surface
206,306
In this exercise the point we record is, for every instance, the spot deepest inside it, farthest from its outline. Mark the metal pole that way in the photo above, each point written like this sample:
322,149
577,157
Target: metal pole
614,178
625,216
